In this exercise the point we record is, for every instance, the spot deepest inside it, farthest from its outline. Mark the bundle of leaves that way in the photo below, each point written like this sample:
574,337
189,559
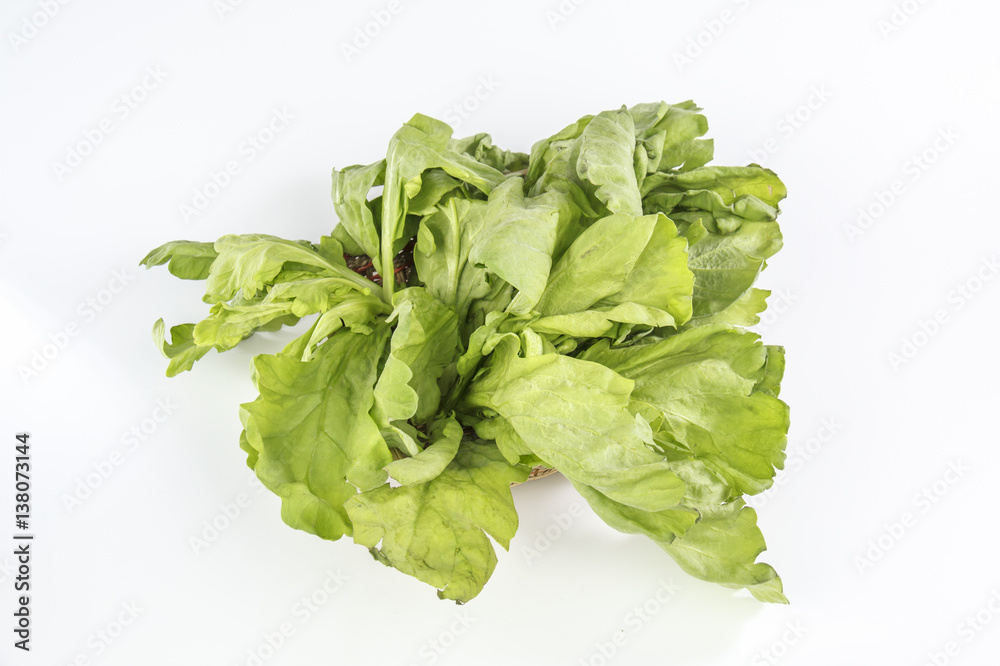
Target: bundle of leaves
478,312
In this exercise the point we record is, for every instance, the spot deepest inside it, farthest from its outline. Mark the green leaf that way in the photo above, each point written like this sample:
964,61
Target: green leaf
284,304
660,277
618,260
710,539
252,453
436,531
607,149
722,549
728,215
555,157
662,525
725,266
425,340
670,135
699,391
246,264
435,185
603,321
228,325
597,264
774,370
331,249
574,415
349,245
444,436
721,199
750,192
441,256
480,147
358,312
422,144
187,260
315,440
516,242
182,350
351,187
744,311
312,295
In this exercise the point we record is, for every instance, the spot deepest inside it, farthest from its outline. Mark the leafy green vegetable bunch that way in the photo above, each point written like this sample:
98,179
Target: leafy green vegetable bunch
579,308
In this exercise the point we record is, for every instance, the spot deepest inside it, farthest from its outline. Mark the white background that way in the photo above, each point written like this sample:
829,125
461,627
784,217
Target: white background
877,573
